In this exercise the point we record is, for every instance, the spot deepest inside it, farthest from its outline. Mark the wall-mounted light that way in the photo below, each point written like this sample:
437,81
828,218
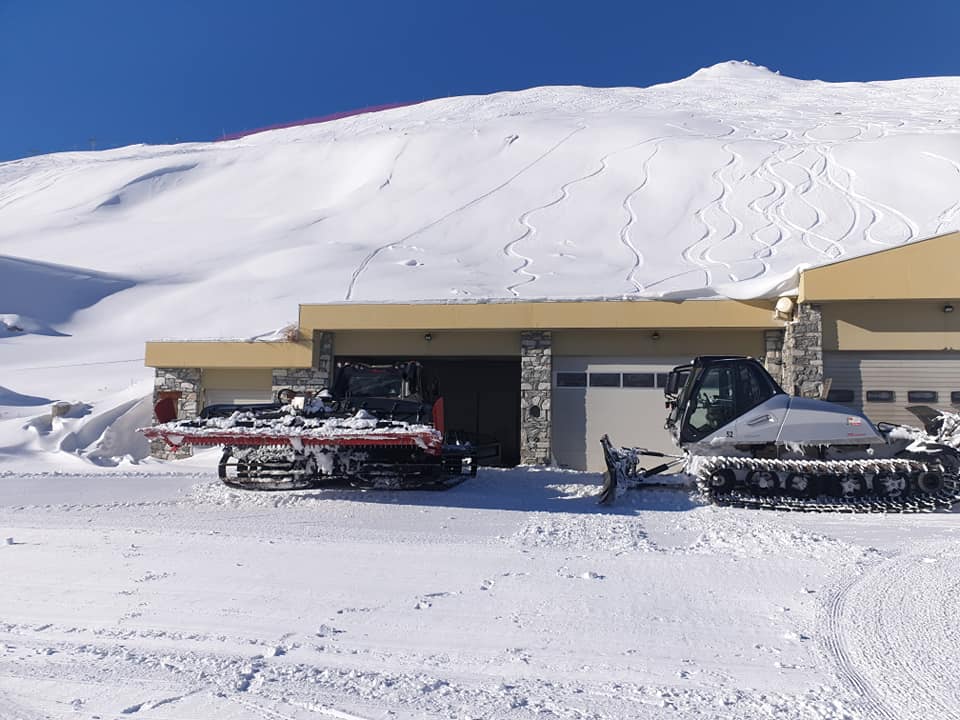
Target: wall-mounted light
948,308
655,335
428,336
784,308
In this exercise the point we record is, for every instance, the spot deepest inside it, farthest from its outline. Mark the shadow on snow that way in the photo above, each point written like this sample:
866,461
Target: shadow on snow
524,489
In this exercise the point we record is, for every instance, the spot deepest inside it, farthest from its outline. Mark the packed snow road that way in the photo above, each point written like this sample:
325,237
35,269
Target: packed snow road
892,632
511,596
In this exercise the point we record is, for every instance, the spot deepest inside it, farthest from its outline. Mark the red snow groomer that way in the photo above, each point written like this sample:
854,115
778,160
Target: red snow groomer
380,427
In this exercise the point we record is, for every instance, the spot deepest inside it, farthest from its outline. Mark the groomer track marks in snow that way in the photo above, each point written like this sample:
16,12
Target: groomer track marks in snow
891,631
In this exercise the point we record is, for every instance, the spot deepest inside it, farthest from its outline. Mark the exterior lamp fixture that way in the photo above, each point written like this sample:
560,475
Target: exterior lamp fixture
784,308
655,335
428,336
948,308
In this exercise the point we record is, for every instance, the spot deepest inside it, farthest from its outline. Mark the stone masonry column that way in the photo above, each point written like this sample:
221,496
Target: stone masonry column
773,353
323,353
536,373
186,382
309,379
803,352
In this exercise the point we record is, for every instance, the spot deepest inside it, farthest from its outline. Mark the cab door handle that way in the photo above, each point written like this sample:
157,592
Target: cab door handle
761,419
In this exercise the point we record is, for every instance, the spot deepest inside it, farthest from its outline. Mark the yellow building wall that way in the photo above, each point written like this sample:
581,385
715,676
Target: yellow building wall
668,343
539,315
236,379
259,357
230,354
890,325
449,343
493,329
607,343
923,270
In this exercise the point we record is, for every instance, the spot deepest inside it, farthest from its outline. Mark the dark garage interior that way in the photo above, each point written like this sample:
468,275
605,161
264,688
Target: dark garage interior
481,397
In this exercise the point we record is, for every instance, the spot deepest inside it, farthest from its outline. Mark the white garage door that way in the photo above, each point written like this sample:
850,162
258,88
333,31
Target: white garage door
237,397
237,386
619,397
883,384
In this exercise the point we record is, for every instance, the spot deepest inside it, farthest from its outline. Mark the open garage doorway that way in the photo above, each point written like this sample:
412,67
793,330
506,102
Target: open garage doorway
481,397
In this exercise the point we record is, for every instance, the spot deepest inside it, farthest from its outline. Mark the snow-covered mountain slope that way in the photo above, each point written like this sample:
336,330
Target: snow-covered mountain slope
720,184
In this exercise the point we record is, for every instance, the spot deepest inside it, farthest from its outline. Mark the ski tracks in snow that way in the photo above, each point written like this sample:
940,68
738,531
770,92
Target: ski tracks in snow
370,257
890,631
948,216
700,258
510,249
830,249
878,211
824,172
797,180
632,215
767,248
393,165
720,204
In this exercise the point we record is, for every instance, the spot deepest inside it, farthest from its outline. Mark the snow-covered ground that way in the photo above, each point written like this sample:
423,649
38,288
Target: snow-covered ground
511,596
720,184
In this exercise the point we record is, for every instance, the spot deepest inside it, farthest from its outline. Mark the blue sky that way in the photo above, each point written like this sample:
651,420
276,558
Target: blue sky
128,71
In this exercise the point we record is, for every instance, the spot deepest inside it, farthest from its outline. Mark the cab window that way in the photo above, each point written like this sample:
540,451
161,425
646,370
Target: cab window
713,402
755,386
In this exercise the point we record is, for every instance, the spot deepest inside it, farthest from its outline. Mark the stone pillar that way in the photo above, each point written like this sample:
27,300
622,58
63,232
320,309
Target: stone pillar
803,352
186,382
773,353
299,379
309,379
323,353
536,373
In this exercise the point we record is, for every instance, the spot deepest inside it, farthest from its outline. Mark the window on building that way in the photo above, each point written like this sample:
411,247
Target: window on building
638,380
886,396
837,395
604,379
572,379
922,396
662,379
955,397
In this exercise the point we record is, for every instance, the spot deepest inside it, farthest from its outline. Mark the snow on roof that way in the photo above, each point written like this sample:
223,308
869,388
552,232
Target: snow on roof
723,183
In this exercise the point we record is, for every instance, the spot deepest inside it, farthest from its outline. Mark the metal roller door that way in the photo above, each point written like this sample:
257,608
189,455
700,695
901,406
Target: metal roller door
238,397
237,387
620,397
883,384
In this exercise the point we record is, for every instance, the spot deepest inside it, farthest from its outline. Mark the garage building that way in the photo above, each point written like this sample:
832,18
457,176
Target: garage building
544,380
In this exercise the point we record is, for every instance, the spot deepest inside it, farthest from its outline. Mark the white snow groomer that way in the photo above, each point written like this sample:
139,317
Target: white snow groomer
379,427
748,443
